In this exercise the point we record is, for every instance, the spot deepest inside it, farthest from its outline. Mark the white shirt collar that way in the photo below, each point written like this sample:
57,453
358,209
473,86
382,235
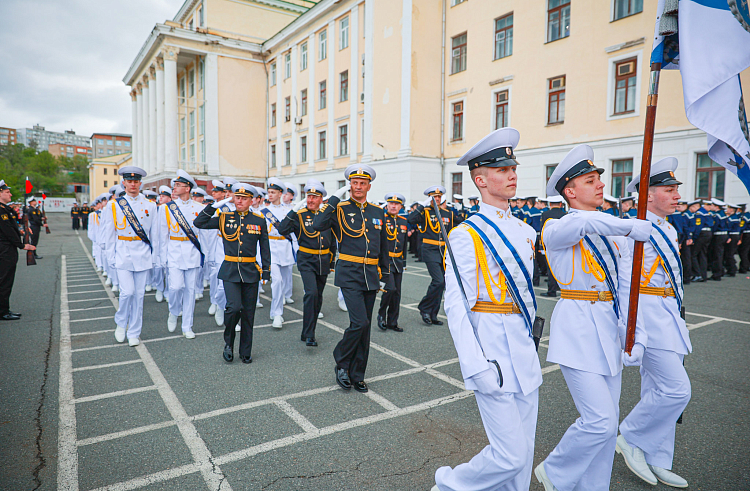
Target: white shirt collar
494,212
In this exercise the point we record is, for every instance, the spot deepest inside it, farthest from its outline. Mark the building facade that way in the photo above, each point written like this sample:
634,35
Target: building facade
8,136
253,89
103,173
107,144
70,151
41,139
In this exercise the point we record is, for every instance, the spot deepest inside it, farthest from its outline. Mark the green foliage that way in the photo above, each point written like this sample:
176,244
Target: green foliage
47,173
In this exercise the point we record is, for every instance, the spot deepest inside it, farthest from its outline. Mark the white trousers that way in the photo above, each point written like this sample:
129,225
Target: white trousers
181,294
96,251
288,283
665,392
217,294
199,278
281,276
132,290
582,461
157,278
505,464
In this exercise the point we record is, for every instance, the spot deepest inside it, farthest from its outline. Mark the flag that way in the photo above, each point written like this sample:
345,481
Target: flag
709,42
29,187
44,196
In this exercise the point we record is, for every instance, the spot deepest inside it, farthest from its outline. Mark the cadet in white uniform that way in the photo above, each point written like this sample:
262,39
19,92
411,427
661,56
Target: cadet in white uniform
282,257
215,256
179,252
288,198
158,280
503,316
647,439
112,280
128,239
590,258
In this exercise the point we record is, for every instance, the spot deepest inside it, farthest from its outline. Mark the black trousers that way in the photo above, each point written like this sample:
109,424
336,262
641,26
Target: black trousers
241,299
716,255
85,220
76,223
354,348
744,251
8,262
313,299
700,254
390,302
686,256
552,286
430,303
412,240
730,249
35,229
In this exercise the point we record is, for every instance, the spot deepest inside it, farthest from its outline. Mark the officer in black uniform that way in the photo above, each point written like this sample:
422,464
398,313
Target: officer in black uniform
242,231
75,215
10,242
85,210
703,224
316,249
361,267
396,228
433,249
36,220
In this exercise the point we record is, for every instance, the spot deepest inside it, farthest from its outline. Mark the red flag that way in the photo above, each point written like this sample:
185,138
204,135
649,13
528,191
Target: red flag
44,196
29,187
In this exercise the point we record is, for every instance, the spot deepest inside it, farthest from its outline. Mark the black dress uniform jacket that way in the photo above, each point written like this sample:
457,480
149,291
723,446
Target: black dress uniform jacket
10,235
301,224
36,217
396,228
425,220
241,233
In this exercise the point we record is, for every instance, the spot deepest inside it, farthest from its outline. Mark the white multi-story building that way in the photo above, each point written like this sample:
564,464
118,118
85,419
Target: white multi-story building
41,138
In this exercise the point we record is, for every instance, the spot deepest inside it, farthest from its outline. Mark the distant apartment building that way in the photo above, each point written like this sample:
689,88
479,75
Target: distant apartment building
106,144
70,151
8,136
40,138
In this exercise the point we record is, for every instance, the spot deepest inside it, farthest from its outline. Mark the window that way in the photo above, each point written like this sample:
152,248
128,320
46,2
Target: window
200,17
548,170
625,82
322,104
458,121
202,119
201,74
183,154
303,102
192,152
322,45
458,54
344,33
191,82
709,178
322,145
556,100
287,152
287,65
344,140
453,4
624,8
118,143
273,155
109,142
127,143
182,131
109,152
303,149
273,74
191,135
457,180
622,174
99,142
190,24
344,85
558,19
273,115
105,171
105,182
182,89
504,36
501,109
287,109
203,151
101,151
303,57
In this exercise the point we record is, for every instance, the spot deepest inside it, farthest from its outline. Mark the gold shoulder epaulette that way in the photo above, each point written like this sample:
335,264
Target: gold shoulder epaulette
402,218
258,215
342,203
376,206
302,210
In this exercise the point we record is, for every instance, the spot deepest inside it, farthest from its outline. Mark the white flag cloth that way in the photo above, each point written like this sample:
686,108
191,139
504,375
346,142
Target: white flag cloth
711,48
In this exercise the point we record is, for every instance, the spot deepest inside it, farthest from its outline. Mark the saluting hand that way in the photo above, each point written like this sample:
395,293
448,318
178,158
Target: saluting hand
299,205
341,192
222,202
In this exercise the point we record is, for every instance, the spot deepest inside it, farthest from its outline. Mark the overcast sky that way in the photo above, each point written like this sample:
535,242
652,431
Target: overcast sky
62,61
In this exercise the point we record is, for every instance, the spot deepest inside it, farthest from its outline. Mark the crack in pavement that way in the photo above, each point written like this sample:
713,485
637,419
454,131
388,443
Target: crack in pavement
315,476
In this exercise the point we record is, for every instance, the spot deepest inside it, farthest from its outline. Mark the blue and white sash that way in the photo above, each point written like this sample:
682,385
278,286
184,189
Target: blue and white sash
608,263
185,226
275,222
671,261
133,221
507,258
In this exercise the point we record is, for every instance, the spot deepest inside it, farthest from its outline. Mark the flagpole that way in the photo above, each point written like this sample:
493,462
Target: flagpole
648,144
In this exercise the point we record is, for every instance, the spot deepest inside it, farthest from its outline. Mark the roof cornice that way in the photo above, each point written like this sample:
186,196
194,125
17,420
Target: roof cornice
311,15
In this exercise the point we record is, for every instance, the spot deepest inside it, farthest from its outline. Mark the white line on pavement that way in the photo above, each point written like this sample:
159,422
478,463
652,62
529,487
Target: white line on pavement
117,393
123,434
382,401
83,285
67,453
88,299
90,308
92,319
302,421
720,318
705,323
92,332
107,365
87,291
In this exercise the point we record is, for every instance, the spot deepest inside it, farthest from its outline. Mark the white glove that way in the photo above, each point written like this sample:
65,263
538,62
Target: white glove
426,203
382,285
299,205
488,381
635,358
641,230
341,192
263,282
222,202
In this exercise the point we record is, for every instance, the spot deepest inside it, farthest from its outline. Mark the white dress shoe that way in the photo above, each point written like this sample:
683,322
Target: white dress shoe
134,341
189,334
219,317
115,289
435,488
277,322
260,288
108,282
320,315
342,305
99,269
205,283
238,327
668,477
212,309
198,296
289,300
635,460
120,334
104,273
180,314
159,296
149,288
258,305
172,322
541,475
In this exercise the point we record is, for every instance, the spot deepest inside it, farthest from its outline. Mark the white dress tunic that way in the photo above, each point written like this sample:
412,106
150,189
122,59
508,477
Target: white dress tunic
282,261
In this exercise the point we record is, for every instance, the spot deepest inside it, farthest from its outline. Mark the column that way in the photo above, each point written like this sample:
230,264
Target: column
134,125
152,119
138,157
279,113
354,83
295,136
312,103
332,87
406,17
369,47
211,109
170,109
159,115
146,135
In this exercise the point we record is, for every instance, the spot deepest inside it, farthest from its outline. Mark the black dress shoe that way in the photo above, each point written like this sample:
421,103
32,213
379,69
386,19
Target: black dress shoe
395,328
550,294
342,378
246,359
715,278
228,355
426,319
311,342
38,257
15,313
731,275
10,317
381,323
436,321
302,338
360,386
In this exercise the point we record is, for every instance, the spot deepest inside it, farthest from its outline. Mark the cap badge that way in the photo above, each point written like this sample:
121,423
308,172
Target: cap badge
508,151
590,163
